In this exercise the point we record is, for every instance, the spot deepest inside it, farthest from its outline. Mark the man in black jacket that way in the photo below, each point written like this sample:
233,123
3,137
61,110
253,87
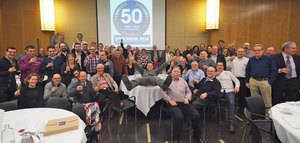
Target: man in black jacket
217,57
8,68
287,84
207,90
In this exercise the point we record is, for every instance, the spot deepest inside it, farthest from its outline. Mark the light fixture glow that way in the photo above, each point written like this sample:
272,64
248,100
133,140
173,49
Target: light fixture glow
47,15
212,14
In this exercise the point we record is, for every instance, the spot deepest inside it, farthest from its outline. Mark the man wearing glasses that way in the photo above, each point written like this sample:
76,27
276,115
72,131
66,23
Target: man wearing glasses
8,68
260,74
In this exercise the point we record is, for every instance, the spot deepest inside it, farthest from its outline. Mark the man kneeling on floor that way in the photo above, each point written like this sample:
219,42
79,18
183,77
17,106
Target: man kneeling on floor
178,96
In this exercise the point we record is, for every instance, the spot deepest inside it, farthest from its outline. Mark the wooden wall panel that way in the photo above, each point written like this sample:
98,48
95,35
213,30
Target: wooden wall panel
21,25
185,23
269,22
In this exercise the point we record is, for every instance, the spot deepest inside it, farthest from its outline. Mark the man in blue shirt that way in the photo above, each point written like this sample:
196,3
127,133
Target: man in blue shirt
194,75
260,73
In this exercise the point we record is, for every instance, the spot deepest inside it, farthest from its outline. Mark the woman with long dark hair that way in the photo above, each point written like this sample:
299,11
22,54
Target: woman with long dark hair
68,68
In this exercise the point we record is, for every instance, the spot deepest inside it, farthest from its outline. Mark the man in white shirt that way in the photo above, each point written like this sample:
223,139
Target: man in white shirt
238,69
228,91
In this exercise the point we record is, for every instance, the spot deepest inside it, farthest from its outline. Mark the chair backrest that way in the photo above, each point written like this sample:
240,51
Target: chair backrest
78,109
255,104
59,102
9,105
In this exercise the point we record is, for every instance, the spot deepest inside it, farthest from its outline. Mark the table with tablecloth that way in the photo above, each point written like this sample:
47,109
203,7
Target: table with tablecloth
146,96
286,119
35,120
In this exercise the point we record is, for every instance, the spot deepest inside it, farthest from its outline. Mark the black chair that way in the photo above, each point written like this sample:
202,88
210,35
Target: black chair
78,109
258,129
58,102
9,105
127,103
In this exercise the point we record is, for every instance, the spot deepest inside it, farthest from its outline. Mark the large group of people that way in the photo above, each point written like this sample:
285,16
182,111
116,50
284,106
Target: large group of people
198,76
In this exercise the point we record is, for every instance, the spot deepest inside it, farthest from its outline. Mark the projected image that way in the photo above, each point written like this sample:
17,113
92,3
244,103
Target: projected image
131,20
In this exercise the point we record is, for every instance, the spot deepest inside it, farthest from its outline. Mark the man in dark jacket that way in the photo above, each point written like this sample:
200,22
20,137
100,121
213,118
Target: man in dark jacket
207,90
51,64
8,68
82,91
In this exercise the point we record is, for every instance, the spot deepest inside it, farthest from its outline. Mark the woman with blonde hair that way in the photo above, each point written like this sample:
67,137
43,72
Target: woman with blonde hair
68,68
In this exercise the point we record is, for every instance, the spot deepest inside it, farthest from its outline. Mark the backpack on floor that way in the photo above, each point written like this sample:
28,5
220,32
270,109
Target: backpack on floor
94,123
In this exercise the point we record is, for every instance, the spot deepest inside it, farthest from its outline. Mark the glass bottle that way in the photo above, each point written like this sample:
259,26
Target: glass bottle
7,135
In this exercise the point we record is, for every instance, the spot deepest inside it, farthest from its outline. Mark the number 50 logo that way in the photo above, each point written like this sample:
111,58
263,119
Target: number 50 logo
131,18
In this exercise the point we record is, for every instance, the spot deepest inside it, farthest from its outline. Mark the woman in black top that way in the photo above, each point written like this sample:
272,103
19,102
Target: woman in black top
68,68
31,94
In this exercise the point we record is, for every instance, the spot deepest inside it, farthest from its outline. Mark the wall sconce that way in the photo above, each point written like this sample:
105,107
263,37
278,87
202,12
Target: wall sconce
212,14
47,15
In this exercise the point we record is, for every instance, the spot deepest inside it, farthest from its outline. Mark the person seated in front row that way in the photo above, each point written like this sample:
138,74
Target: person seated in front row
82,91
207,90
104,85
55,88
178,95
74,80
149,75
31,94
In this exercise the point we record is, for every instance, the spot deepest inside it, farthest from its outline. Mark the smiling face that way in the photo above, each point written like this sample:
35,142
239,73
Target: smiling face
11,53
56,79
210,72
176,73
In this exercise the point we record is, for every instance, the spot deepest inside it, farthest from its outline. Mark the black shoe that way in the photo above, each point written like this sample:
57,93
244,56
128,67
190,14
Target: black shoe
198,139
231,127
127,82
167,83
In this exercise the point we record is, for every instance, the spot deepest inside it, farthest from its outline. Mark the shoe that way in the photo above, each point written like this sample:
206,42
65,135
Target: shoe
231,127
167,83
198,139
176,141
127,82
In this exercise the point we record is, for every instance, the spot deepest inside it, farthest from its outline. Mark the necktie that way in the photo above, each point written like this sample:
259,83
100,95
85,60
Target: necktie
288,65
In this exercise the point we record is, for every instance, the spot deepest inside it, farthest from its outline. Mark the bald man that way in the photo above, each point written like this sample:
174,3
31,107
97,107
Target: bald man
55,88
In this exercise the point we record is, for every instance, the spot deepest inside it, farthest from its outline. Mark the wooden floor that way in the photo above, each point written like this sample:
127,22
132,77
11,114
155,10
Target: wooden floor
147,130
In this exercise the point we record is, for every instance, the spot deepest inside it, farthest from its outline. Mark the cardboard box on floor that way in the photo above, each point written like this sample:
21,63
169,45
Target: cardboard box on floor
61,125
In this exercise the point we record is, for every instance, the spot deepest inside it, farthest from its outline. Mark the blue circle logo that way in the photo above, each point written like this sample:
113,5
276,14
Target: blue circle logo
131,18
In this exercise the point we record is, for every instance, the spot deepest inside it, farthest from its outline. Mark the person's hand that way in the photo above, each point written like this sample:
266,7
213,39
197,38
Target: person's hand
77,59
172,102
193,81
204,66
32,60
236,90
232,58
284,70
96,88
107,63
195,91
217,73
53,89
203,95
67,69
49,65
79,88
12,69
184,71
90,56
171,58
116,90
172,64
17,92
186,100
247,85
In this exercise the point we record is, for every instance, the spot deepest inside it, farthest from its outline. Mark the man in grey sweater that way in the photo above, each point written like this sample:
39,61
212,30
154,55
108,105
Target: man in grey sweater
55,88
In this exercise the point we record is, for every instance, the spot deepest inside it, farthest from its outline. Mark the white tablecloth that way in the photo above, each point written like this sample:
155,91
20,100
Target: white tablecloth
35,119
286,118
146,96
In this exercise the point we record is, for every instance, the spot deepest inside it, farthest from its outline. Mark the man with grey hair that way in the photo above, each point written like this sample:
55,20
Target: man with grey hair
248,53
204,62
287,84
260,74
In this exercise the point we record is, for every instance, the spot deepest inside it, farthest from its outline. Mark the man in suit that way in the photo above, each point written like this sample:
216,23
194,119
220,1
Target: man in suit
287,84
166,54
82,91
217,57
8,68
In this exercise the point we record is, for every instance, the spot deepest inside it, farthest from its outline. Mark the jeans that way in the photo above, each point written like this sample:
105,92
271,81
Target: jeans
230,98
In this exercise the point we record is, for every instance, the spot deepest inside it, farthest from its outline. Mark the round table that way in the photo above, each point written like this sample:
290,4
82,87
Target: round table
35,119
286,119
146,96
